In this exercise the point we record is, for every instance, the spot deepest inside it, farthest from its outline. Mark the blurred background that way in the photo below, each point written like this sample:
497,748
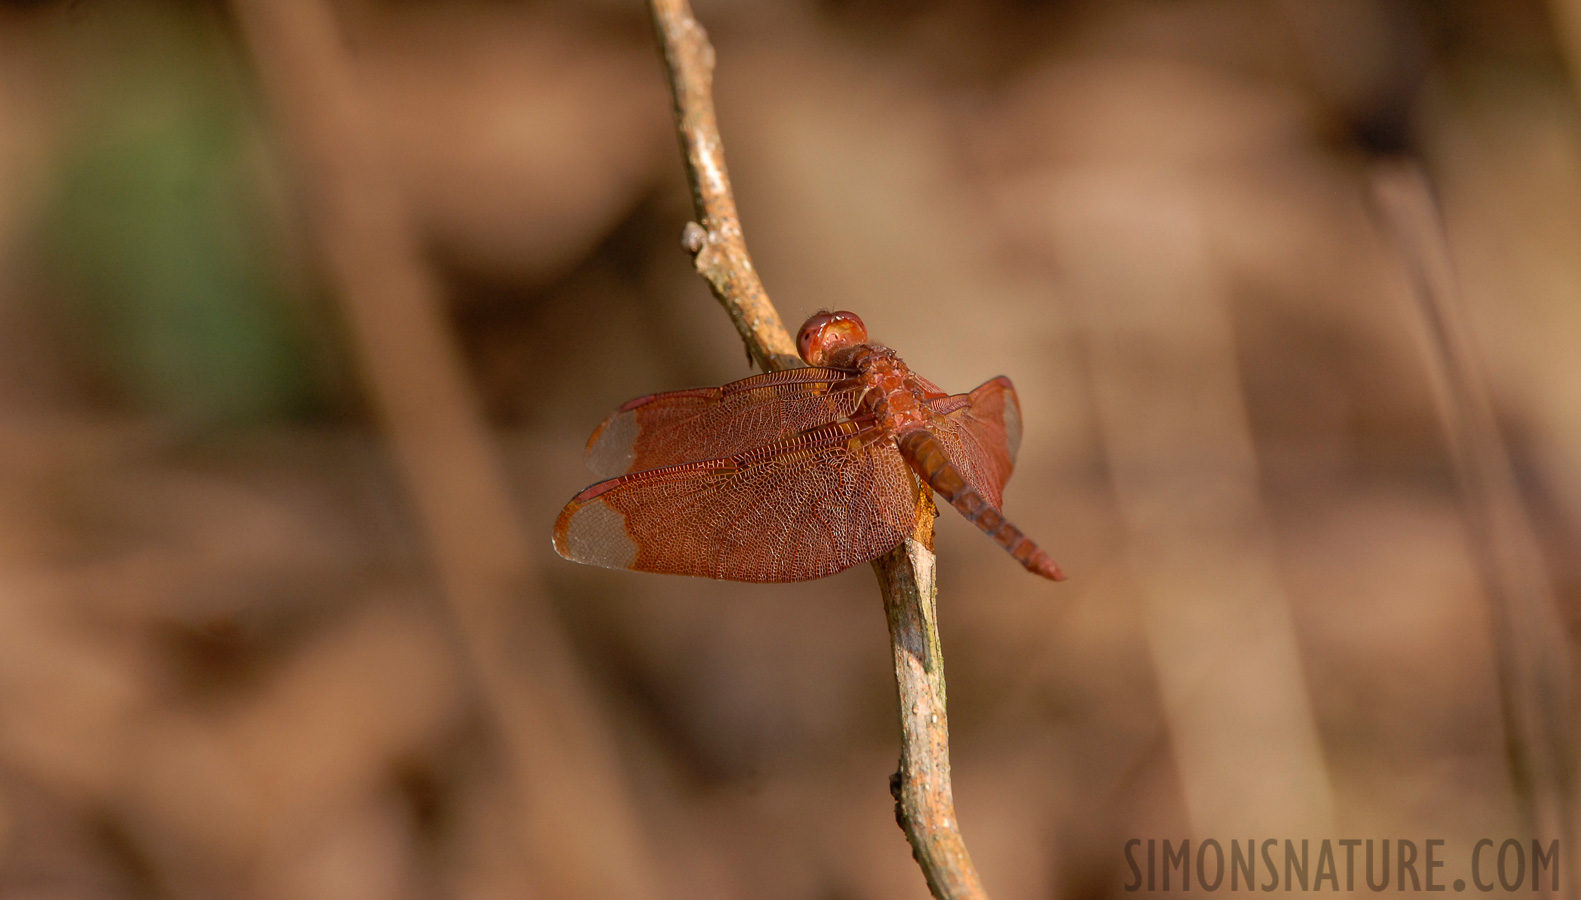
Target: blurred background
256,642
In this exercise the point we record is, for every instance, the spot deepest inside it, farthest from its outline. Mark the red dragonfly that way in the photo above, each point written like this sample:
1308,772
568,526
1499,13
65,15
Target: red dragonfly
795,474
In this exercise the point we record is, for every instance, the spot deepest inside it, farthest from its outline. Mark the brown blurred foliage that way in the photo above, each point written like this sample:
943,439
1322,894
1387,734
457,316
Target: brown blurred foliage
224,667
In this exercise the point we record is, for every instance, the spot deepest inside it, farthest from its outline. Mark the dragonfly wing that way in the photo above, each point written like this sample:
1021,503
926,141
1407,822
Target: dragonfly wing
980,433
804,507
718,422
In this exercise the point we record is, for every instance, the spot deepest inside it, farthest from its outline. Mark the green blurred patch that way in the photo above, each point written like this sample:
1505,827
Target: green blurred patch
158,232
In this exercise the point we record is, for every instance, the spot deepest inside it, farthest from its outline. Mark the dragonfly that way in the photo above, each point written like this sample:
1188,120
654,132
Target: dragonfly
797,474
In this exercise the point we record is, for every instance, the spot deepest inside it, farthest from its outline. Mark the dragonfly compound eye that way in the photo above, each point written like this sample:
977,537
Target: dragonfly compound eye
826,332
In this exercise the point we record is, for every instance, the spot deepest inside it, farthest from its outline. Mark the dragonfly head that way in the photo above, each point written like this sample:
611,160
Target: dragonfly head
827,332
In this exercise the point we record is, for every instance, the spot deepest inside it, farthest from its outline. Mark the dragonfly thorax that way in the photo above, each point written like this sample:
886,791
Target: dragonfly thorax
892,395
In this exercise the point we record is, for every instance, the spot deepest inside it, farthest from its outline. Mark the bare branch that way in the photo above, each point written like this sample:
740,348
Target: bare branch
715,240
924,801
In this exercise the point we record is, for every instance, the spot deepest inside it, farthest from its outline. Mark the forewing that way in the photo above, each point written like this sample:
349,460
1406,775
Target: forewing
981,432
804,507
718,422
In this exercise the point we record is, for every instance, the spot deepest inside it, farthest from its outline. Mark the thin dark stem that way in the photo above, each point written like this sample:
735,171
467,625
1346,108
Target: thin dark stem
576,822
1531,655
924,802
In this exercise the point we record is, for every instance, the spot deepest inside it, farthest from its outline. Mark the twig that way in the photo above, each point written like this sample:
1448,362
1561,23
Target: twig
924,803
924,800
579,828
715,241
1531,655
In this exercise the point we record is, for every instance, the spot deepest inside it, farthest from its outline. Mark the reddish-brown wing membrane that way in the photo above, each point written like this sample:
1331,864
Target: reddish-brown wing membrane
981,432
802,507
717,422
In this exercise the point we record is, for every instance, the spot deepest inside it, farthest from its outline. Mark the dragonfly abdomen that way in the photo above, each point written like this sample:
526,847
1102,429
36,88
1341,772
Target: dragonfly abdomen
927,458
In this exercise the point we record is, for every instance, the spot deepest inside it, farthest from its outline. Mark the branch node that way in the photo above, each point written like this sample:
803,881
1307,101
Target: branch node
696,38
694,238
